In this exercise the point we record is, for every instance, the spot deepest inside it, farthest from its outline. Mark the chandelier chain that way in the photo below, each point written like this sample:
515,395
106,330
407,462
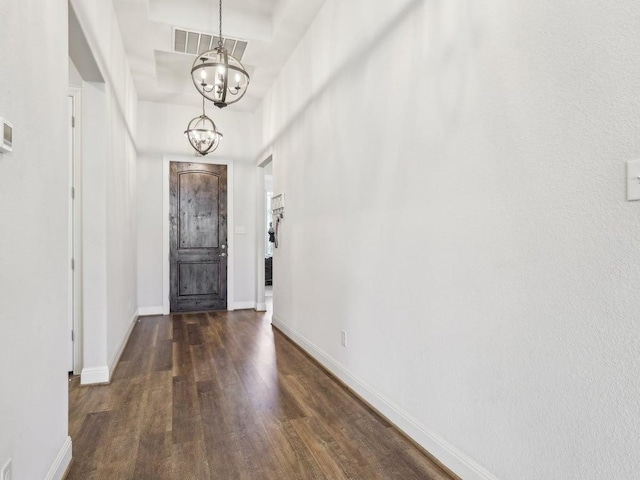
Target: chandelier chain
220,43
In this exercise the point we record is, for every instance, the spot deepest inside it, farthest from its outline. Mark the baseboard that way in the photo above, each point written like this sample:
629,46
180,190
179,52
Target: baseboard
244,306
258,307
149,311
61,463
115,358
447,454
95,375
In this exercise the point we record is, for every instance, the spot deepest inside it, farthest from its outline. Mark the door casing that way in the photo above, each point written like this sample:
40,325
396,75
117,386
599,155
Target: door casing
75,230
262,227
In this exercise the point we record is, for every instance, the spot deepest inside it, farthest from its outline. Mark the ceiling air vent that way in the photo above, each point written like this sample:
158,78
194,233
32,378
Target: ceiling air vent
195,43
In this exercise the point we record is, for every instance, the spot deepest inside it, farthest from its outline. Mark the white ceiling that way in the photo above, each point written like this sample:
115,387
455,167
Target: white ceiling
273,28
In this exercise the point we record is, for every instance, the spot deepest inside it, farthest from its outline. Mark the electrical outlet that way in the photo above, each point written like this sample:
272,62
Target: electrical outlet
6,473
343,338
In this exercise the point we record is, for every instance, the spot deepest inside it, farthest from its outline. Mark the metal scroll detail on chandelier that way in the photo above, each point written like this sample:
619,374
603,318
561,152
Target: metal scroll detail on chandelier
202,133
218,76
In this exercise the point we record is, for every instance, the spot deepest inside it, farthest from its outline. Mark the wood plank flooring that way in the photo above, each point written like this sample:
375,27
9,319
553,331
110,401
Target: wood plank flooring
223,396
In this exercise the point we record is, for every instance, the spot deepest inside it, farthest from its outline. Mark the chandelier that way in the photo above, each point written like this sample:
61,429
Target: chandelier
202,133
218,76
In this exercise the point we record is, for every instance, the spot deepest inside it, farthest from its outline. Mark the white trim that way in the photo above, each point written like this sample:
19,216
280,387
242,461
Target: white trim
166,234
166,288
70,234
150,311
115,358
261,227
446,453
61,463
95,375
244,306
76,94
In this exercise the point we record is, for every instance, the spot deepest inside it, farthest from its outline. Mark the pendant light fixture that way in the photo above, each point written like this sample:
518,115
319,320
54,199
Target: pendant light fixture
218,76
202,133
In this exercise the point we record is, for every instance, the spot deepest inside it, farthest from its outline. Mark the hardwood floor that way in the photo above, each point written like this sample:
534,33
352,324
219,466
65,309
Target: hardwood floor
223,396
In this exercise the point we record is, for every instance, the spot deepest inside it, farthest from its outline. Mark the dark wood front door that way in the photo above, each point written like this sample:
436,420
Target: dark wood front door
198,237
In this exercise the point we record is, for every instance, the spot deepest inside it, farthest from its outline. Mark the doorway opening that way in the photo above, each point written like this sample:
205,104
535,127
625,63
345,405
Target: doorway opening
198,248
203,283
269,238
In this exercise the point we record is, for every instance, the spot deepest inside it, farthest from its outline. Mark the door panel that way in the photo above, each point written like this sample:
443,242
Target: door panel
198,237
198,278
198,222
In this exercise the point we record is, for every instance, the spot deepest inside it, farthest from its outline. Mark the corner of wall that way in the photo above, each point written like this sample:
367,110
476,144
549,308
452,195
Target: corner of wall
447,454
62,462
115,358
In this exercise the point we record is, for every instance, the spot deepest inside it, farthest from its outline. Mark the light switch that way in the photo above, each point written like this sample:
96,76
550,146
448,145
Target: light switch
633,180
6,138
241,230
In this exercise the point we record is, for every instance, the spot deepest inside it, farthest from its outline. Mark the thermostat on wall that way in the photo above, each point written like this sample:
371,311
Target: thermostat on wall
7,136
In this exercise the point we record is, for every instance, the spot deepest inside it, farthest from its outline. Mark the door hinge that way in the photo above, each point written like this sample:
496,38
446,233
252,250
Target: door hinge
73,122
72,339
73,192
73,264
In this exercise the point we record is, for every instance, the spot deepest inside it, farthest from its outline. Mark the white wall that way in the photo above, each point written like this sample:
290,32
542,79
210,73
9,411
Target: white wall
161,132
75,78
455,189
94,232
108,195
33,244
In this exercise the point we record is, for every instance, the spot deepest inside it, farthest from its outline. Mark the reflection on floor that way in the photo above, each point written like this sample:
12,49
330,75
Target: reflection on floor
268,298
223,396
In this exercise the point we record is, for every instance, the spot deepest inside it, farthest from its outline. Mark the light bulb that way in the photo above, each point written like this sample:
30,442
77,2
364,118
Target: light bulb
203,73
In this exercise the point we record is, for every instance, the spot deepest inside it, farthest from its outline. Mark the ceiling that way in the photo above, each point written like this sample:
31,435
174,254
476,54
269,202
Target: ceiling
272,29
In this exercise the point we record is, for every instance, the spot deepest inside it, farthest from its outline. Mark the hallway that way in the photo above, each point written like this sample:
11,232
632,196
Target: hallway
223,396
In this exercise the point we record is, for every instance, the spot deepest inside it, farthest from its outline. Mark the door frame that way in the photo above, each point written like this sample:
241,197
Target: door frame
166,226
262,229
75,230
